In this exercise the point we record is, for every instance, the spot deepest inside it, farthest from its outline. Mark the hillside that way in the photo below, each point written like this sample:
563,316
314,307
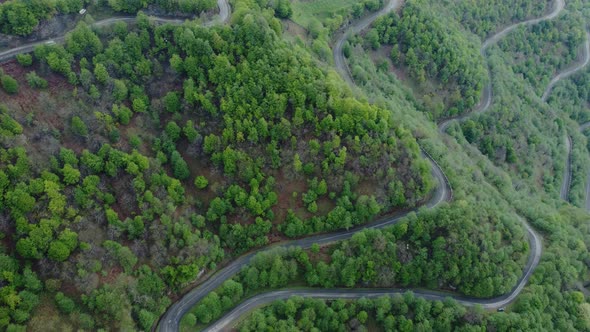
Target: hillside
147,158
295,165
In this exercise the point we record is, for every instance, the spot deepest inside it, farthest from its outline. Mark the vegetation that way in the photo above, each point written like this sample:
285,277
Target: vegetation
544,49
571,96
432,48
183,6
123,216
483,17
398,313
330,14
470,173
9,84
322,18
519,132
135,159
435,249
18,17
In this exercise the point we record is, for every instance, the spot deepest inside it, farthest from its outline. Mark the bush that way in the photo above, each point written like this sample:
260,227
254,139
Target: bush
9,84
35,81
201,182
58,251
24,59
64,303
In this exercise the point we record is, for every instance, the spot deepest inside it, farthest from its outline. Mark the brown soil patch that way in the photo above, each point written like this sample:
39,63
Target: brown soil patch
114,272
292,29
285,187
322,256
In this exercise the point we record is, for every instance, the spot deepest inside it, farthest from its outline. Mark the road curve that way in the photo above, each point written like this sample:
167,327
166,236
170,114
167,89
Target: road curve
487,94
345,293
363,23
224,12
570,71
535,243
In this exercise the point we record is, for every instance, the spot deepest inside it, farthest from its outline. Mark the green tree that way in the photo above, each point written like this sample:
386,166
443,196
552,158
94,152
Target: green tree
101,73
64,303
139,105
179,166
173,131
58,251
120,90
79,127
35,81
284,9
70,174
172,102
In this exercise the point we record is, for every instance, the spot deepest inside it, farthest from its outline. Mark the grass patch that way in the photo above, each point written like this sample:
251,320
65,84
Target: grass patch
305,11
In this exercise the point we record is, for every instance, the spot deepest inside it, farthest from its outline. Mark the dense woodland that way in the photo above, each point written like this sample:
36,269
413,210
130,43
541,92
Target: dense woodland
571,96
320,30
399,313
176,148
169,6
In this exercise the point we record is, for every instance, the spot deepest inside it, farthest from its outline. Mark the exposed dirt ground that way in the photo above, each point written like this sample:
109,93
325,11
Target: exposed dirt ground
55,27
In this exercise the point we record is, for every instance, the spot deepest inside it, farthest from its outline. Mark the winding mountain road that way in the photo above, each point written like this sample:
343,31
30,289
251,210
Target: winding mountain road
345,293
360,25
535,243
567,176
487,94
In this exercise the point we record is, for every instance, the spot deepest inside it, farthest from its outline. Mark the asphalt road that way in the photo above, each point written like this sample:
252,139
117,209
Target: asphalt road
224,11
261,300
583,127
344,293
567,172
